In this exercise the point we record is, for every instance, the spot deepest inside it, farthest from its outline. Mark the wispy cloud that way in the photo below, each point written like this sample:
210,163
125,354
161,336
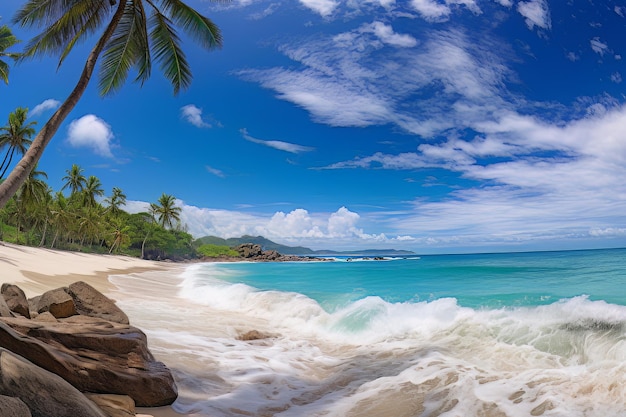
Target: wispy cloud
49,104
276,144
598,46
193,115
215,171
91,132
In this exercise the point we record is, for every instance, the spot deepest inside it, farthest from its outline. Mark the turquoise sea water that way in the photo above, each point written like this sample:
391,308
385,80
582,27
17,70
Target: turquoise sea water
477,281
493,335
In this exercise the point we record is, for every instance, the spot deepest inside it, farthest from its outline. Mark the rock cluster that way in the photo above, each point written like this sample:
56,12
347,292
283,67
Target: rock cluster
254,252
71,348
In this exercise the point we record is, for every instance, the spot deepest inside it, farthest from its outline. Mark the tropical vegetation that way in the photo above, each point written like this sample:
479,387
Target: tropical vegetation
80,217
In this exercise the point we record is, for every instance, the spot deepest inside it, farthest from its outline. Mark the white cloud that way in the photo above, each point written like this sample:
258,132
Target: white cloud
616,77
324,7
45,105
215,171
388,36
91,132
598,46
276,144
431,10
193,115
536,12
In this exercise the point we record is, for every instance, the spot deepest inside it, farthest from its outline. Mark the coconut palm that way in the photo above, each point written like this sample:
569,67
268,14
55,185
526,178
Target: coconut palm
7,40
15,136
116,201
32,192
129,33
166,210
93,188
74,180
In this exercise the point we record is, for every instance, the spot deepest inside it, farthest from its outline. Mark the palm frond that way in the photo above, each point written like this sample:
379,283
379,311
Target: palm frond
168,53
4,72
196,25
124,49
78,20
7,39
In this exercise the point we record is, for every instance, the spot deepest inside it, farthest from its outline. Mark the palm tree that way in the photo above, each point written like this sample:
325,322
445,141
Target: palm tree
32,192
166,210
116,201
16,136
135,32
74,180
7,40
93,189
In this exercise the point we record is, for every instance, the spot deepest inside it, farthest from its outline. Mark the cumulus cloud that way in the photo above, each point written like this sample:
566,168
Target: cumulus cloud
536,12
388,36
276,144
193,115
91,132
49,104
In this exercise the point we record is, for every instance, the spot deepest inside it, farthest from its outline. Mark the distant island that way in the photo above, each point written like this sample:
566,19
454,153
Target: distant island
268,245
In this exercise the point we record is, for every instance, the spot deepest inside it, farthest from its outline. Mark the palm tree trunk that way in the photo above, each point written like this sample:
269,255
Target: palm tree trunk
23,168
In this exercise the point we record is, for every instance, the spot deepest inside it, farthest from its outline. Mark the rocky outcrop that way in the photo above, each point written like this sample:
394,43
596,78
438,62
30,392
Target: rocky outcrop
95,349
254,252
91,302
44,393
15,299
58,303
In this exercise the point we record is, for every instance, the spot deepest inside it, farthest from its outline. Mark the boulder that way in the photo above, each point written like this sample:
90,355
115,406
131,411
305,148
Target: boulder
16,299
114,405
5,311
45,393
13,407
249,250
94,355
91,302
58,302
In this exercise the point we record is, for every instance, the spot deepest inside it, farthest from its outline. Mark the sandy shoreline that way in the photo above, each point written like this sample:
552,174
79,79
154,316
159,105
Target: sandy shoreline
37,270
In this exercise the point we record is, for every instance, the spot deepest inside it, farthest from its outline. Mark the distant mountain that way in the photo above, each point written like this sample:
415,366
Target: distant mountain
267,244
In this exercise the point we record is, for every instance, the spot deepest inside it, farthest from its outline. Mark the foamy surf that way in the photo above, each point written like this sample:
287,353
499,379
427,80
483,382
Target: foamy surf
372,357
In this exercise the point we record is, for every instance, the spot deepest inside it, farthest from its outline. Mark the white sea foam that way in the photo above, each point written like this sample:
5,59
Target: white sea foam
375,358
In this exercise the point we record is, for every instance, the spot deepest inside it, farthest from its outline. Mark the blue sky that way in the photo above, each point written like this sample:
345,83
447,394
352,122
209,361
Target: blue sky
428,125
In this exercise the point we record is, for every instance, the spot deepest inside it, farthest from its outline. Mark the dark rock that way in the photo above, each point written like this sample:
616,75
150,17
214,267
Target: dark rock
252,335
93,355
13,407
249,250
91,302
16,299
45,394
58,302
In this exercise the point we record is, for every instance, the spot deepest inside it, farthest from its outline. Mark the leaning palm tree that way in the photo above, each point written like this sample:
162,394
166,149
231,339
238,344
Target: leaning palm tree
166,210
15,136
7,40
135,32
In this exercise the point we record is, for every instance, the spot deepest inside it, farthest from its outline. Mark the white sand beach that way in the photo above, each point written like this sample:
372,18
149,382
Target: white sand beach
37,270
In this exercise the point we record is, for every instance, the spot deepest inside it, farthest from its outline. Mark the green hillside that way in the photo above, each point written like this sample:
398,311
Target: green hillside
267,244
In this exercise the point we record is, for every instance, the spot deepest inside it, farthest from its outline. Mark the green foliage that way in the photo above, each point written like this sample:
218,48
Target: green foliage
38,216
216,251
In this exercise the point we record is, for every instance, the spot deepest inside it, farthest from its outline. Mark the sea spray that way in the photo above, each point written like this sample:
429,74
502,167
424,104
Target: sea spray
389,354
